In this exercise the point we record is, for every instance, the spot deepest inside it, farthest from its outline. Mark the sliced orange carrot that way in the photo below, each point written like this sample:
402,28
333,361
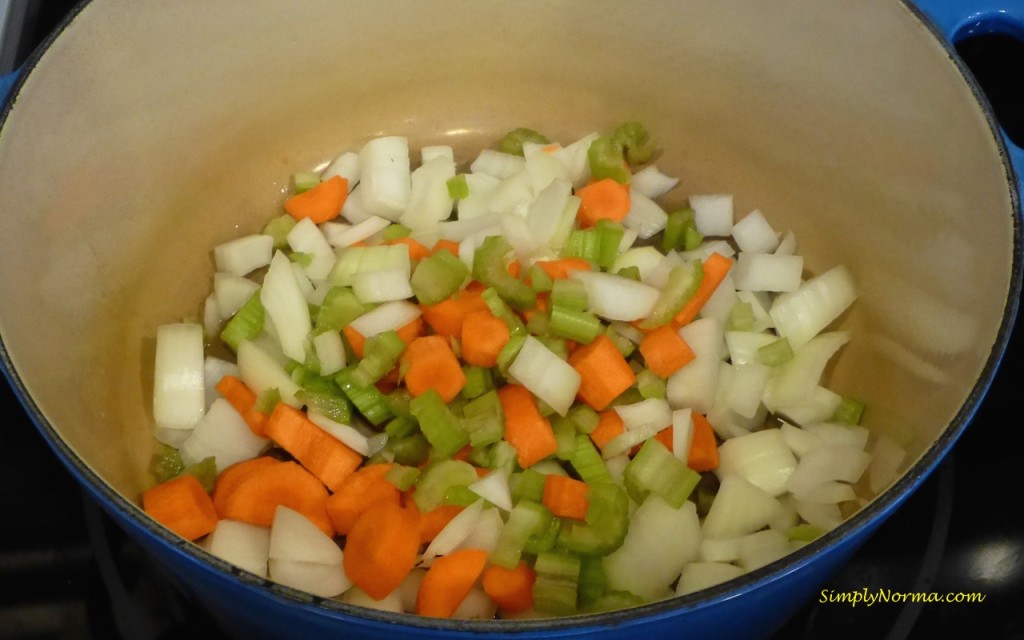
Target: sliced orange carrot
665,437
609,426
243,399
604,199
363,489
484,335
604,372
429,363
229,479
446,317
417,250
182,505
565,497
443,245
381,548
256,492
526,429
665,351
321,203
559,269
325,456
716,267
436,519
511,589
407,332
448,581
704,446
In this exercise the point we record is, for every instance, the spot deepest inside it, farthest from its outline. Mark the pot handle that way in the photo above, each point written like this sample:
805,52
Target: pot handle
955,20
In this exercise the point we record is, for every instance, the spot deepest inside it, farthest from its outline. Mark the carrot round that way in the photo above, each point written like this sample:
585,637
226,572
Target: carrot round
448,581
604,372
325,456
484,335
359,492
704,446
321,203
511,589
604,199
429,363
254,493
529,433
182,505
716,267
665,351
381,548
565,497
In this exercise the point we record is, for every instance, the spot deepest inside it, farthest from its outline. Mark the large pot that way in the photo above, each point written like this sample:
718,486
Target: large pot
144,134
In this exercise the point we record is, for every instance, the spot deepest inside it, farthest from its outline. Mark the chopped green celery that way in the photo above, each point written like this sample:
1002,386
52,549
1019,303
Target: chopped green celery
775,353
267,400
543,540
205,471
497,306
556,588
634,140
615,601
437,422
459,495
166,464
741,317
581,326
395,231
625,346
479,456
384,456
302,258
609,237
606,522
438,478
692,239
585,417
437,277
539,279
368,399
489,268
526,518
674,236
655,470
340,307
629,396
304,181
324,396
556,345
478,381
539,323
583,243
278,229
398,401
458,188
632,272
569,293
401,427
683,281
804,532
512,142
402,476
527,484
246,324
509,352
606,159
412,450
849,411
586,460
650,384
502,456
565,437
380,355
484,419
592,580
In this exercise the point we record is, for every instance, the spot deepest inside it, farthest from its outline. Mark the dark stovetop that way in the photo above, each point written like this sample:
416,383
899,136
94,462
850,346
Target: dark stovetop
68,572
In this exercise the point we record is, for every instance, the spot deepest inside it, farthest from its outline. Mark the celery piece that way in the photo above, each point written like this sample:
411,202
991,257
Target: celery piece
509,352
478,381
581,326
741,317
479,456
267,400
484,419
437,422
615,601
655,469
380,356
340,307
395,231
502,456
605,525
278,229
166,464
205,471
438,478
412,450
543,539
526,518
401,427
592,584
804,532
489,268
606,159
849,411
609,237
555,590
650,384
625,346
569,293
584,417
246,324
458,188
527,484
512,142
497,306
368,400
324,396
302,258
674,236
565,436
304,181
634,140
586,460
402,476
582,243
539,323
692,238
683,281
540,281
632,272
775,353
459,495
398,401
438,276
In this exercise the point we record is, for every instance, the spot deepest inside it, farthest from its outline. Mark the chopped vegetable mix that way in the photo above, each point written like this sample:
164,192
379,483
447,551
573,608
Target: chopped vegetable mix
492,392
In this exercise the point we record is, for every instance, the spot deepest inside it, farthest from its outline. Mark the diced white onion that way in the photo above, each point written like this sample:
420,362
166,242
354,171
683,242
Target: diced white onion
385,176
179,390
645,215
231,292
244,545
767,272
330,352
713,214
453,533
305,237
261,371
244,255
617,298
739,508
652,411
498,164
339,235
762,458
494,488
286,305
382,285
347,435
682,433
802,314
346,166
753,234
547,376
389,316
652,183
429,202
223,434
702,575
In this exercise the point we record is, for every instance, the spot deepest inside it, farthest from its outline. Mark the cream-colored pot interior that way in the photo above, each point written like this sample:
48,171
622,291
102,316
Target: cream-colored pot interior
150,132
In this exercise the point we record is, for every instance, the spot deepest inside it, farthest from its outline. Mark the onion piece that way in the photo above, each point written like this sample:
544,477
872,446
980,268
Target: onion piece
351,437
286,305
385,176
713,214
617,298
179,390
753,234
762,458
547,376
389,316
652,183
802,314
244,255
340,235
224,435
